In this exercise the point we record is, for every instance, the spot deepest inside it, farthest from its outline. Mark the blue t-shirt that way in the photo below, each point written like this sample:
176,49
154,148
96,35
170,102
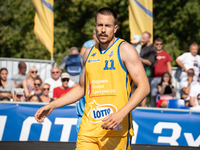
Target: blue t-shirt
89,43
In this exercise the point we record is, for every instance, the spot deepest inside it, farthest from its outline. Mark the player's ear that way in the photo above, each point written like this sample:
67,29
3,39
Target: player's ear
115,28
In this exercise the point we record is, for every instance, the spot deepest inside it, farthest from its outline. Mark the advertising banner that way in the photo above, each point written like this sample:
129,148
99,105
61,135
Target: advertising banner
151,126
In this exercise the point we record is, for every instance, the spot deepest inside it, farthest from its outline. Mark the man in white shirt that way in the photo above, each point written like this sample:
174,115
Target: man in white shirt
194,91
185,86
55,80
189,60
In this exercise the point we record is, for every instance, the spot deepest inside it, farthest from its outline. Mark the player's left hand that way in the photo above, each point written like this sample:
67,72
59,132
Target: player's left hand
112,121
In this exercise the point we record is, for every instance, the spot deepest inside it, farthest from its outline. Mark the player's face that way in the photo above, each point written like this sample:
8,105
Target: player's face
194,50
105,28
158,45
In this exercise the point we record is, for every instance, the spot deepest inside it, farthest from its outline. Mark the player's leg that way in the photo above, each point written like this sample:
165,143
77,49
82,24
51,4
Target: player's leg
115,143
86,143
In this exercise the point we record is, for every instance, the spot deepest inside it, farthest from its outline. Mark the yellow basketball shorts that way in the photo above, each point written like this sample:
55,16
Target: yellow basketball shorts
103,143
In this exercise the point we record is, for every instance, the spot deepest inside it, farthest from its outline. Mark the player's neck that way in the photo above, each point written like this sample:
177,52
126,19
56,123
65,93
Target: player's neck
104,46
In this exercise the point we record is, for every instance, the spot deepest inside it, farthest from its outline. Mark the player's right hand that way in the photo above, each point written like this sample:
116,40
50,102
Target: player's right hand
42,113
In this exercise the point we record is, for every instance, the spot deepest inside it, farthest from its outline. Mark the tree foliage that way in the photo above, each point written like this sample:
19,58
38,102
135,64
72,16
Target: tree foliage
175,21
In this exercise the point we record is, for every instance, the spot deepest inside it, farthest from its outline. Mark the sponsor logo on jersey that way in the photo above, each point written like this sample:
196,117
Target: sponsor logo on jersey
98,112
111,54
93,54
93,60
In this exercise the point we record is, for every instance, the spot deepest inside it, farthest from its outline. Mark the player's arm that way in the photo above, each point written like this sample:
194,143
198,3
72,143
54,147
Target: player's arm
131,61
70,97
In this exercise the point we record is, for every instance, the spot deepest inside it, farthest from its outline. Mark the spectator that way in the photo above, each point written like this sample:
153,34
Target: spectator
33,98
185,86
37,84
197,107
136,42
5,99
6,86
194,91
61,90
18,78
19,95
189,60
163,64
73,64
28,83
55,80
166,90
45,93
147,56
89,43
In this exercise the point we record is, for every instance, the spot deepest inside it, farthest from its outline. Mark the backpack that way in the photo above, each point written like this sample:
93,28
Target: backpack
73,64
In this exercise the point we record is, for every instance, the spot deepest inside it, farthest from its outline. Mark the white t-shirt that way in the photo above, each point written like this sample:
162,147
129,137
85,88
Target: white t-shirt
184,84
56,83
190,61
194,91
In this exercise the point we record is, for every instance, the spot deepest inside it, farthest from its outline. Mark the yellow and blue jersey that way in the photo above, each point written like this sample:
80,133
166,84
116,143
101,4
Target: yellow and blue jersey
108,89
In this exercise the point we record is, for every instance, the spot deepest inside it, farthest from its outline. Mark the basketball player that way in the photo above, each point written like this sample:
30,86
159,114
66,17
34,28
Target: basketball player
110,69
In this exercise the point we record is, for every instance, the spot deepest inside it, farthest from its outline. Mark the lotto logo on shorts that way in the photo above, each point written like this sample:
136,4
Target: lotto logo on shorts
99,112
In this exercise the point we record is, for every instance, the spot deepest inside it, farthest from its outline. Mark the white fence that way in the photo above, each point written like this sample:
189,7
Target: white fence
43,66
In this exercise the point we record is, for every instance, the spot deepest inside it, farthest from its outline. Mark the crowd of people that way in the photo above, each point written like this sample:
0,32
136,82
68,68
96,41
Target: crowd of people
156,62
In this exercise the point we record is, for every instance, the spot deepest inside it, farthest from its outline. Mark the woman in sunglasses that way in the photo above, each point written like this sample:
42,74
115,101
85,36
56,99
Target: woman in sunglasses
28,83
45,93
37,84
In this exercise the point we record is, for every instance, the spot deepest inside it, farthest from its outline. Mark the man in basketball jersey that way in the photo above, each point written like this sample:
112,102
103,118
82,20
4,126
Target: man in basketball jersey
109,71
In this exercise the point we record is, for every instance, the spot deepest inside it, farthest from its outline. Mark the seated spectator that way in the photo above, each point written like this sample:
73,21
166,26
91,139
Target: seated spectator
45,93
185,86
19,95
166,90
194,91
28,83
61,90
197,107
37,84
6,86
73,64
33,98
55,80
5,99
18,78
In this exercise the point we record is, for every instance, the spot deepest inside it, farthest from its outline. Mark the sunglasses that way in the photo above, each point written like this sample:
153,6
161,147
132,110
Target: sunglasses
63,80
36,84
46,89
34,71
159,44
54,72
